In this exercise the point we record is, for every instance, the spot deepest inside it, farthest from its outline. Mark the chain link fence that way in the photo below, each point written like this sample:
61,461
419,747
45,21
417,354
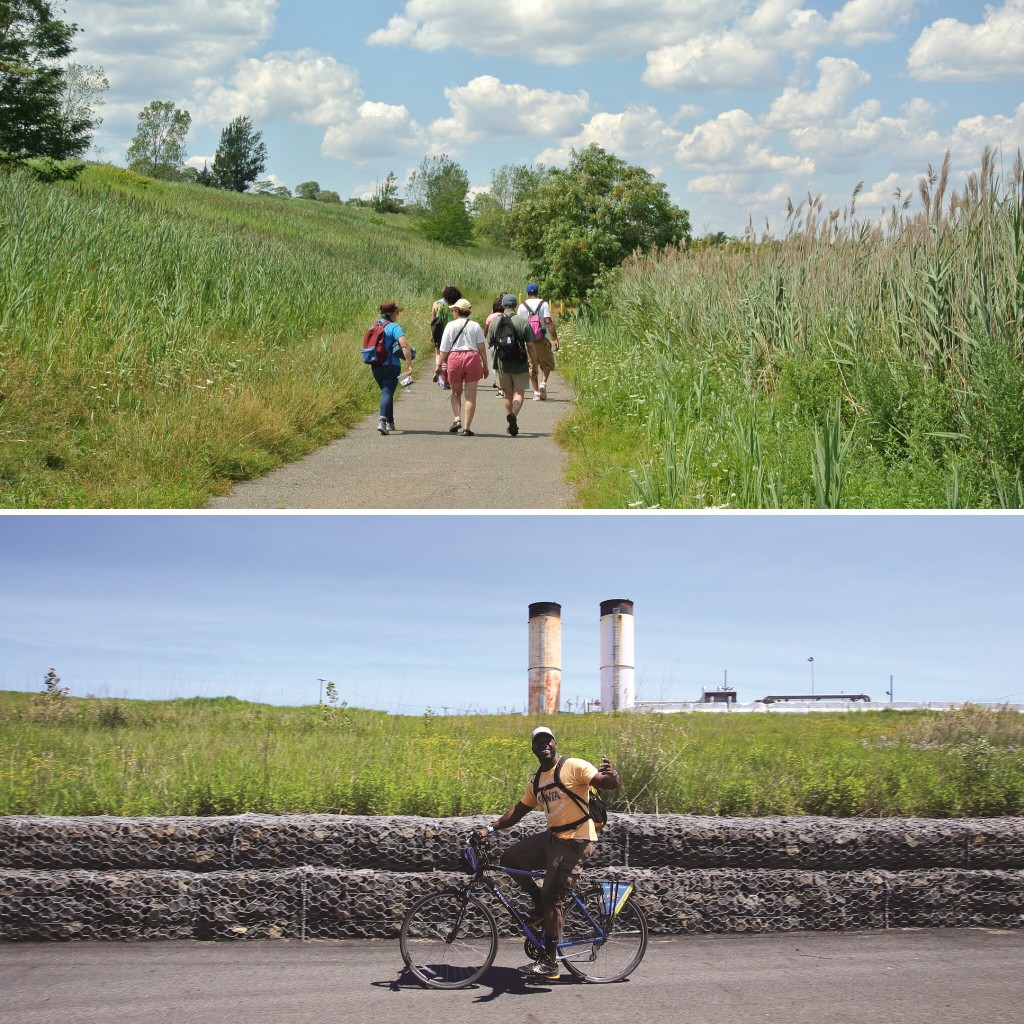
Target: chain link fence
337,876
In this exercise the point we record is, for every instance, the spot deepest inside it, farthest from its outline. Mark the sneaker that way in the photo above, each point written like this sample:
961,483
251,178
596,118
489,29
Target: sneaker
513,425
543,391
391,426
543,970
447,386
382,426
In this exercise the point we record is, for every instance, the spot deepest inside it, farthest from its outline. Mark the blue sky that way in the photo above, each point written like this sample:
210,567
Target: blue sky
736,105
262,606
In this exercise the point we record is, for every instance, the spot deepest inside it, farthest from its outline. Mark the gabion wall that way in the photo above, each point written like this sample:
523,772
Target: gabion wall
333,876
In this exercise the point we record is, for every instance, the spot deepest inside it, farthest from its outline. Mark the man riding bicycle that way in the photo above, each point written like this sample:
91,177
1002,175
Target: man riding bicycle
562,848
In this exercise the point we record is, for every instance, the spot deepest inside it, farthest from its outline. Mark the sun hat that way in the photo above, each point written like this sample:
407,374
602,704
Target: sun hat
464,305
509,301
541,730
391,309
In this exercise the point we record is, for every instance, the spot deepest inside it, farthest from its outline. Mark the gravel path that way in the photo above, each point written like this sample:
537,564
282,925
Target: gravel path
422,465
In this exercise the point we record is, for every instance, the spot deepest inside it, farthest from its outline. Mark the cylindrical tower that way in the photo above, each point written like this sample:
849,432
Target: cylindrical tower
618,690
545,658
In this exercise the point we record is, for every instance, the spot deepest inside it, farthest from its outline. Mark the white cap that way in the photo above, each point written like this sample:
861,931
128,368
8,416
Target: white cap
541,730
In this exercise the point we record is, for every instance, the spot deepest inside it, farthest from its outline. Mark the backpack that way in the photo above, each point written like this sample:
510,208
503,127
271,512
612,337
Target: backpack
595,810
508,346
439,320
534,319
376,346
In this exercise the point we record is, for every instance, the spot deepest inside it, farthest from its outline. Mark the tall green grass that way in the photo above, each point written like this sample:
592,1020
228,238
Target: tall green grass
63,755
851,363
158,341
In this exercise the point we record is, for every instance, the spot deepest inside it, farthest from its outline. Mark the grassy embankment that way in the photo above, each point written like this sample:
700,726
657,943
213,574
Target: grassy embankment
220,756
849,364
158,341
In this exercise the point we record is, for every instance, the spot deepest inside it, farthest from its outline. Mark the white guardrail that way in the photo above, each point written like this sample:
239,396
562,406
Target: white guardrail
805,706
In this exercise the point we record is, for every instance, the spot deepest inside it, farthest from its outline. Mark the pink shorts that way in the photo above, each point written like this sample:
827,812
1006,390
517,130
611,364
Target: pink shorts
465,367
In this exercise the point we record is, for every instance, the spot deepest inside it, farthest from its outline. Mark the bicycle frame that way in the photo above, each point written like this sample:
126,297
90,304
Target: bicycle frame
480,878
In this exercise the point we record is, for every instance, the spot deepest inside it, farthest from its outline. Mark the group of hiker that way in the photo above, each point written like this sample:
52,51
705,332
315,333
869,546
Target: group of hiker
521,336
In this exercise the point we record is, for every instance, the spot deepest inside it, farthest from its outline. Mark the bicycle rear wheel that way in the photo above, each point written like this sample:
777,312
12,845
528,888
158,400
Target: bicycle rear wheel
448,939
612,959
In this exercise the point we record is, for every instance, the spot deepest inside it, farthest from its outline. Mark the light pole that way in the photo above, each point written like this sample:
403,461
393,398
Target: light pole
889,691
811,660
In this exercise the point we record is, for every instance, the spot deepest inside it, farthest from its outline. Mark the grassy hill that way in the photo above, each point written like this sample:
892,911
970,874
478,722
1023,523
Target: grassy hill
65,755
158,341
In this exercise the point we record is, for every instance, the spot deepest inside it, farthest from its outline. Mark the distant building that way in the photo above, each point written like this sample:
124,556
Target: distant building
723,695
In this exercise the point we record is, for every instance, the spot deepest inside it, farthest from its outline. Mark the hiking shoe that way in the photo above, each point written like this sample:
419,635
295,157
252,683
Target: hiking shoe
382,426
543,970
455,427
513,425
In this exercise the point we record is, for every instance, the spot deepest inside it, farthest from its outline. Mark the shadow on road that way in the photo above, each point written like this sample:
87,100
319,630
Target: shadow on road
499,981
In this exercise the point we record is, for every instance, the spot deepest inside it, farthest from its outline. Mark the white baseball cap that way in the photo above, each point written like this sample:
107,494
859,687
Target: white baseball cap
541,730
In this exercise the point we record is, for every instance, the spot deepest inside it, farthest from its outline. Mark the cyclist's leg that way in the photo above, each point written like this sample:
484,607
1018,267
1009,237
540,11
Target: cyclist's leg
528,854
564,865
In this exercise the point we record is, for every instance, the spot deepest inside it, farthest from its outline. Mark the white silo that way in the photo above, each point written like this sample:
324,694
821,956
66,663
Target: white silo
545,677
618,690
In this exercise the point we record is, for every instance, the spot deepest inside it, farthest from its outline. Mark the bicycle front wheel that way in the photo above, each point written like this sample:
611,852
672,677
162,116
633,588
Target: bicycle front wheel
611,959
448,939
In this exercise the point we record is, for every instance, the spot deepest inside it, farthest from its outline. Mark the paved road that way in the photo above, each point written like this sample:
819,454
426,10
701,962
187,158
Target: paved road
423,466
894,977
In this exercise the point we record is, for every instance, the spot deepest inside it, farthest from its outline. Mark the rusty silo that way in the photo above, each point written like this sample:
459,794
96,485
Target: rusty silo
618,690
545,658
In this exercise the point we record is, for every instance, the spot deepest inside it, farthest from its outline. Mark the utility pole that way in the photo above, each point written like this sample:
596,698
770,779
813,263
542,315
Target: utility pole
811,660
322,681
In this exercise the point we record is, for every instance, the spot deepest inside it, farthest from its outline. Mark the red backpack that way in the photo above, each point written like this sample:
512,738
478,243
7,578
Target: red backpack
376,347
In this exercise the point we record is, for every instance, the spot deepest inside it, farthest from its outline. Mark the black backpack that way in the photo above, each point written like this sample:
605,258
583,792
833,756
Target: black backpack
595,810
508,346
439,321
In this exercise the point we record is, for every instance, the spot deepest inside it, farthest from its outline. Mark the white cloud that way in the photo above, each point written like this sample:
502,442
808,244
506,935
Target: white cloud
378,131
992,51
162,46
304,86
838,81
870,21
637,135
555,32
729,60
972,134
488,108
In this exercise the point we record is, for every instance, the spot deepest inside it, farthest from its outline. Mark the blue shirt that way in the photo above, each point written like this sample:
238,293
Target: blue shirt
393,332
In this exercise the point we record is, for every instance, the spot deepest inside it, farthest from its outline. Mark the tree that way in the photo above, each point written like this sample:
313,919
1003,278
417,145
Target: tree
81,95
32,42
588,218
307,189
267,187
439,188
491,209
241,156
158,149
385,197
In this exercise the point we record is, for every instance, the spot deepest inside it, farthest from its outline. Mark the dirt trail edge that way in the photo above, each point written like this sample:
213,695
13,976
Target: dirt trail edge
422,465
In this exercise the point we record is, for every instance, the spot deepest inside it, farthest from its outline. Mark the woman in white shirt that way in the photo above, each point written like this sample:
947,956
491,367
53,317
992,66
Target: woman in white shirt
464,360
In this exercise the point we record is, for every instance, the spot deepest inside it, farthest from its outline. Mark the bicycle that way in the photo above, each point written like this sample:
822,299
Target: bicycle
449,938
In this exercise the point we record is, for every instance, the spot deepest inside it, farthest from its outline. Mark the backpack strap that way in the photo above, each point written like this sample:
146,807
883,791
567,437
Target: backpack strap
565,789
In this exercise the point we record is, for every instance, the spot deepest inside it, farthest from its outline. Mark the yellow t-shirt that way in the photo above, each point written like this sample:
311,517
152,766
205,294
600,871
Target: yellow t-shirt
559,807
